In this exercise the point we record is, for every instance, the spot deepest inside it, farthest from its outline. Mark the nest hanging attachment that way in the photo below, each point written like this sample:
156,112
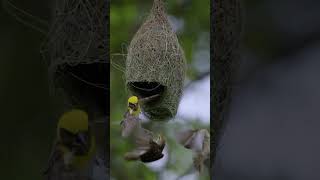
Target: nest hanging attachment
156,65
76,54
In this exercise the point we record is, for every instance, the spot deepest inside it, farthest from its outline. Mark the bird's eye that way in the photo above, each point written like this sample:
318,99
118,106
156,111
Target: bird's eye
65,132
131,105
67,137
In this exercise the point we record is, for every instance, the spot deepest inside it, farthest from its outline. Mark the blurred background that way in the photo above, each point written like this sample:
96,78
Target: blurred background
28,125
273,128
191,22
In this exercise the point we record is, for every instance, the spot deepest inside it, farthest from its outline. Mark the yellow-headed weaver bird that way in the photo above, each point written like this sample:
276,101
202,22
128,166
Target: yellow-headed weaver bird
131,120
133,106
74,148
131,117
148,148
134,102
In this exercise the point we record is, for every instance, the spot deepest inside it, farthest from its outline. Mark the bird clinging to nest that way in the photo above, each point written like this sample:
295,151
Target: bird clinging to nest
148,147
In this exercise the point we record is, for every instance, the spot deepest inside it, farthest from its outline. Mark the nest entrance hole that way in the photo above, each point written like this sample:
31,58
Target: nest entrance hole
147,89
86,84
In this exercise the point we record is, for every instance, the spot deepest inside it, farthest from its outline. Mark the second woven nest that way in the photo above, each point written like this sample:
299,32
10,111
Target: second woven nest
76,53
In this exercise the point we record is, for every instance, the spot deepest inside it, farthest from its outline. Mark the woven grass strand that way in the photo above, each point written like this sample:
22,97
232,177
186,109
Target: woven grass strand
75,38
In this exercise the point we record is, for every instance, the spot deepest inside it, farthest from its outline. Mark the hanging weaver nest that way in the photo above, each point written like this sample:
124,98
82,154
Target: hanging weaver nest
156,65
76,50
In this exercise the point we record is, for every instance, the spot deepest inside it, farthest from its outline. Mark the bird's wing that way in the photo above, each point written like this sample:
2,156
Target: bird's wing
143,137
145,133
54,157
198,162
134,155
185,138
142,142
128,125
126,114
206,142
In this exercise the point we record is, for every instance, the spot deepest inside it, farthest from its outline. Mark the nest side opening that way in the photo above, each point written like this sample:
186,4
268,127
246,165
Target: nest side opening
85,84
152,107
144,89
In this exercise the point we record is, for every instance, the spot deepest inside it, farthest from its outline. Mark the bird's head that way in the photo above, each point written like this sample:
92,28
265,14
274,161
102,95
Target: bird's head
73,130
133,105
160,139
74,121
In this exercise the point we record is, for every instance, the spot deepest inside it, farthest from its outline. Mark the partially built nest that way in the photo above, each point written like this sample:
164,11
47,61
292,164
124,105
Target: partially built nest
76,50
156,65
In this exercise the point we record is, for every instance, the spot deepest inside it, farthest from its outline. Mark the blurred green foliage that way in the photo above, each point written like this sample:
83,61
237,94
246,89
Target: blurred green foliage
126,17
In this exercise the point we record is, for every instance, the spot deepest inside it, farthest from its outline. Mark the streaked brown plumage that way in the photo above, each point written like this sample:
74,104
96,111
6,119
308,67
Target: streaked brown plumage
147,148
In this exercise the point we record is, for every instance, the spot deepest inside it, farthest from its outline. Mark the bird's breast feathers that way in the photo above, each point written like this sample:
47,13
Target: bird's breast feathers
79,161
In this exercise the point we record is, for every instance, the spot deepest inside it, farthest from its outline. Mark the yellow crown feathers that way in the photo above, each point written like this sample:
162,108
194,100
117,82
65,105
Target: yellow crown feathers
133,100
74,121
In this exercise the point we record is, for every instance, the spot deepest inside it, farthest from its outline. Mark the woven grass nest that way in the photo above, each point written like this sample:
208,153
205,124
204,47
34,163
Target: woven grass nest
76,50
155,64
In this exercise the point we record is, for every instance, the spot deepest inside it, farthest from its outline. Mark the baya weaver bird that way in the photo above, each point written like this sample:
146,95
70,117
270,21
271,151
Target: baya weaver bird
134,102
74,148
133,106
149,148
131,117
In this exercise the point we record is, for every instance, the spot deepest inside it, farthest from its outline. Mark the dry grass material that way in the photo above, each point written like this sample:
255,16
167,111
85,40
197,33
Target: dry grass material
76,51
155,64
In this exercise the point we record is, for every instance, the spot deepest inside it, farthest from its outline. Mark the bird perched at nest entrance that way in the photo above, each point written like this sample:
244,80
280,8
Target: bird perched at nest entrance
133,106
131,117
148,147
134,102
74,148
131,120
